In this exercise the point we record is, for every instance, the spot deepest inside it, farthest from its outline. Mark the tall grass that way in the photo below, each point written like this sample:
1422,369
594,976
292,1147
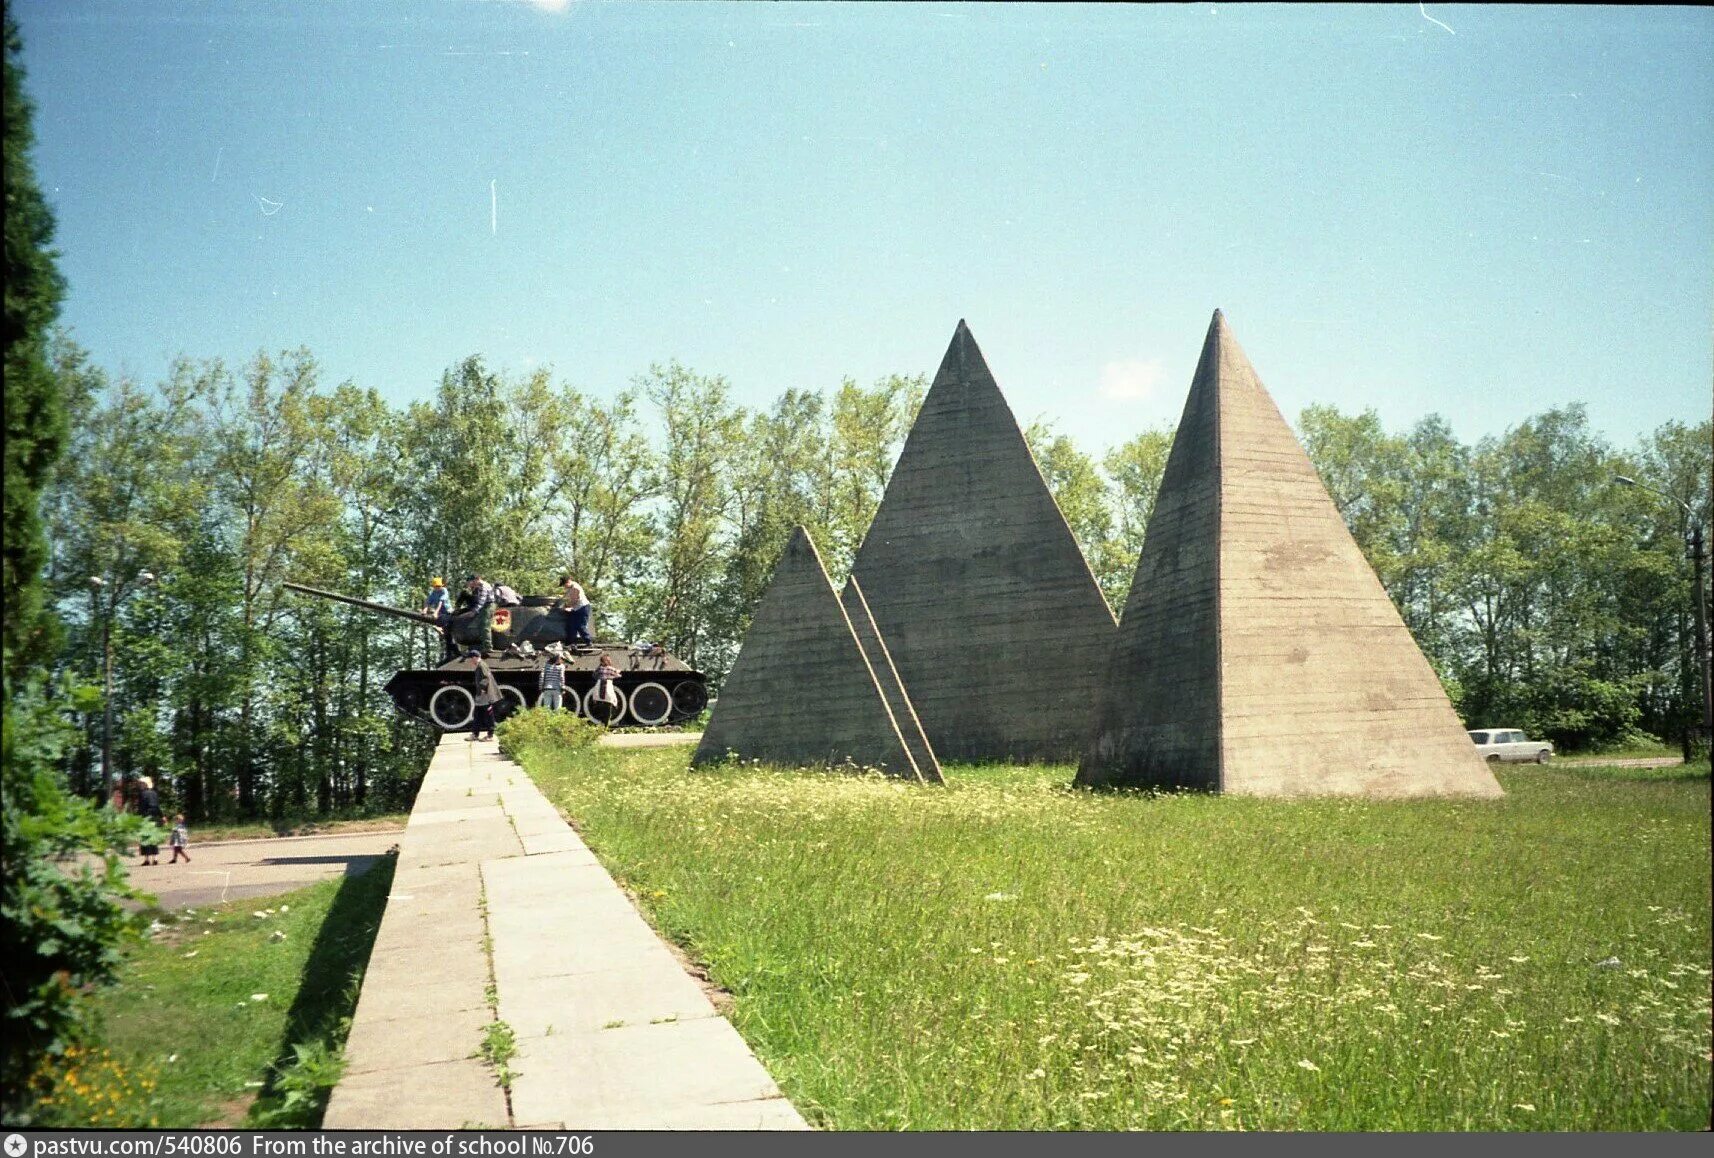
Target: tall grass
1010,954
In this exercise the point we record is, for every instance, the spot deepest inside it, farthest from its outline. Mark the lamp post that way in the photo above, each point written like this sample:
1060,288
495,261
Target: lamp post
1694,544
96,585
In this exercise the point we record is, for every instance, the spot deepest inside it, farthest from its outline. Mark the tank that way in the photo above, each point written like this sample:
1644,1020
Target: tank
654,687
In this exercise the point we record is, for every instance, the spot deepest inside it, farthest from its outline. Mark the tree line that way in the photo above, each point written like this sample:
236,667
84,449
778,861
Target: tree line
1547,596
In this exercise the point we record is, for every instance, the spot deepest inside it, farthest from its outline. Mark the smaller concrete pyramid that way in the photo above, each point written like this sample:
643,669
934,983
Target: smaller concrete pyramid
801,692
1258,652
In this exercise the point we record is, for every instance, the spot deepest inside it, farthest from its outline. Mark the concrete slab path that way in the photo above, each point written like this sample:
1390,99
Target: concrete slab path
611,1033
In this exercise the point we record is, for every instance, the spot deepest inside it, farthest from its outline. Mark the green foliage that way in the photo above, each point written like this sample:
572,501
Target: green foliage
35,412
1539,962
545,728
216,1010
304,1085
499,1045
61,923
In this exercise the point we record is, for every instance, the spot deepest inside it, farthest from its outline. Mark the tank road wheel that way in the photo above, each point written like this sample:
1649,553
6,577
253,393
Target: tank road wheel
451,707
602,712
511,700
651,704
690,697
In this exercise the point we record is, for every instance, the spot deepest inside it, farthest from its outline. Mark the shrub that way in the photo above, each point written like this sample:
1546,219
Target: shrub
545,728
61,924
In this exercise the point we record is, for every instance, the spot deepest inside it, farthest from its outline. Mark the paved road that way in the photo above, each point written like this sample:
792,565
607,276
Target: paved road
1629,762
258,868
647,739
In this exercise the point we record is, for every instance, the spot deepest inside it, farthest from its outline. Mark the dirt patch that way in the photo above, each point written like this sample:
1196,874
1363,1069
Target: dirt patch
229,1114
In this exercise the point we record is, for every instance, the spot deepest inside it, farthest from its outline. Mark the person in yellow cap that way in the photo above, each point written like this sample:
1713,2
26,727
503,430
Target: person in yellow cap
438,603
439,606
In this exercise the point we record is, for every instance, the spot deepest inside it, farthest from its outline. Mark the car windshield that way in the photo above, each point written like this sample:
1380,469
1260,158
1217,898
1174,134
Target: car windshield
1479,737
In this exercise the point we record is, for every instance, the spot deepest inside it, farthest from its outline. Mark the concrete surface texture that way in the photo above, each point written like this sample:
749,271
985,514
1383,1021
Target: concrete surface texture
1258,652
801,691
611,1033
992,616
234,870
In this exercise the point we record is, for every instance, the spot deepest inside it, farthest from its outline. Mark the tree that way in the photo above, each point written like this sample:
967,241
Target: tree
1136,468
59,926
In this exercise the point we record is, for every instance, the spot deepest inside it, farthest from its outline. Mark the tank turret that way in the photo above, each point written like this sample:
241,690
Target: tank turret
654,687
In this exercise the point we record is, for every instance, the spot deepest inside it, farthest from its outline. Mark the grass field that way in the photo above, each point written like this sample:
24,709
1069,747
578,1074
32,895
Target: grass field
1006,953
203,1026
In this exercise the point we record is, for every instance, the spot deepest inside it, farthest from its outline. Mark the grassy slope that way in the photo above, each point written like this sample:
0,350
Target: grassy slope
1008,954
183,1013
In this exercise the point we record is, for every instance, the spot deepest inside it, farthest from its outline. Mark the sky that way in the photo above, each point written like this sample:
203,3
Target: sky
1480,212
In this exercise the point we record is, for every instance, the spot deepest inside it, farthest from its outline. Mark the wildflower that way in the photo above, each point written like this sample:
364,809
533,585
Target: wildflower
1429,937
1305,1064
1225,1101
1527,1107
1517,960
1036,1074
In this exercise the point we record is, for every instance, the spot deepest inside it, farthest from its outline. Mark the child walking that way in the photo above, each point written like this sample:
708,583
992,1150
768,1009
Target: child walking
180,840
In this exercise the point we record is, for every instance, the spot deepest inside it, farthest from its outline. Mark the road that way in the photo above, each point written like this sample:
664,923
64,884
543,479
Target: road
258,868
648,739
1627,762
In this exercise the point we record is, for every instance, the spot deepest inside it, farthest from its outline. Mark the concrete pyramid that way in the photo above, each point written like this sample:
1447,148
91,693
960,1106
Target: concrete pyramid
988,607
1258,652
801,691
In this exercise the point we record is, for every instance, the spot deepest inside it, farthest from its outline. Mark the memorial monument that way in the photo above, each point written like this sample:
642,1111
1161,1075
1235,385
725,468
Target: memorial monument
988,607
803,691
1258,652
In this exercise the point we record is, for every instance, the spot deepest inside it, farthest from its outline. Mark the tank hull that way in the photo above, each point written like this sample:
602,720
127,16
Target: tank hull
653,691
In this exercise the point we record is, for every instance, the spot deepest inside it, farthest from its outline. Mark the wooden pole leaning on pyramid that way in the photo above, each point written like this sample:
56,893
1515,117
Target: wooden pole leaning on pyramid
803,691
1258,652
988,607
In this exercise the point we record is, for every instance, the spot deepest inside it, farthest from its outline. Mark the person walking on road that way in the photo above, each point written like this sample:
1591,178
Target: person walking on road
149,808
180,840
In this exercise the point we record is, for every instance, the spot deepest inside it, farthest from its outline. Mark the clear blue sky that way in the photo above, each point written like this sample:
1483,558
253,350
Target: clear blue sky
1484,214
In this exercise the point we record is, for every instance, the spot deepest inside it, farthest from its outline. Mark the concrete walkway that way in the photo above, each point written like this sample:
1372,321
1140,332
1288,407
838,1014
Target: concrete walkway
612,1034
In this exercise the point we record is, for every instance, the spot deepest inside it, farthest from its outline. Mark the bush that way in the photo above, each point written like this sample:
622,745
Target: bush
61,924
545,728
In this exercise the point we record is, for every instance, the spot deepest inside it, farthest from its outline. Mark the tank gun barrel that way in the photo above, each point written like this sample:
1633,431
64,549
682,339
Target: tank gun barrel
414,616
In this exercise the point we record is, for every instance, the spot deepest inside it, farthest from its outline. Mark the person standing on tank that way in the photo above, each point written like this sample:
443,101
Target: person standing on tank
577,612
482,608
438,606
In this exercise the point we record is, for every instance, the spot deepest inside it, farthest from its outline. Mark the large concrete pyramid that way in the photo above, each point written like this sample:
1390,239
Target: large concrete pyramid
1258,652
989,609
801,691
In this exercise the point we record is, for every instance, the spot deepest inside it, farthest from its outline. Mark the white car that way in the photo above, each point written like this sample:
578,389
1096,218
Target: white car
1509,744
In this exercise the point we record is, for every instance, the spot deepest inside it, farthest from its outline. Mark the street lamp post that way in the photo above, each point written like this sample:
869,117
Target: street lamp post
96,585
1698,556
